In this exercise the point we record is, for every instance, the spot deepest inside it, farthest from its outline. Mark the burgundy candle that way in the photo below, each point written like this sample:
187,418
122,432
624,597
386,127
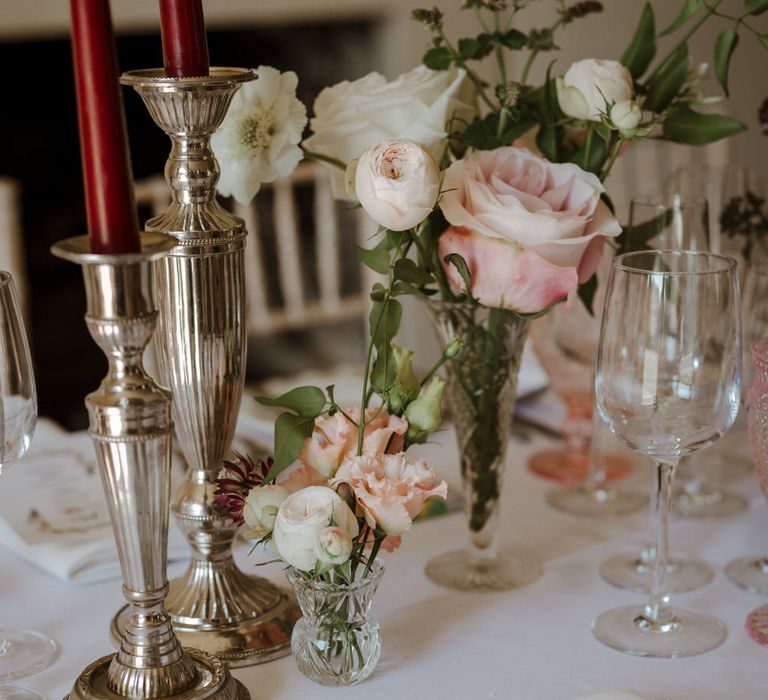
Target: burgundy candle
110,206
185,47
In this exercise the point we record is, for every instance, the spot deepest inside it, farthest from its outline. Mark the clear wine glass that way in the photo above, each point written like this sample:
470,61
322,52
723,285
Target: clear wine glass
668,223
21,653
668,383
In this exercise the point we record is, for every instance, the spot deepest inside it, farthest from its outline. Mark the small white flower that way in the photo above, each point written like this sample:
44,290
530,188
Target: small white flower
626,115
258,140
590,86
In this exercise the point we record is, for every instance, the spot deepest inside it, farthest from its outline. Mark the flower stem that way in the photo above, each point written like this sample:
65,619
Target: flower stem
325,159
611,159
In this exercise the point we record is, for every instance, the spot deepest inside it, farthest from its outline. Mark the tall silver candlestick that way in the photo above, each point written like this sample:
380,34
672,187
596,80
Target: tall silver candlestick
130,423
214,606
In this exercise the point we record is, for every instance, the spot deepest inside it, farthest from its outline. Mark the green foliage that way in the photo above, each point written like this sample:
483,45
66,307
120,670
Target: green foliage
376,258
664,86
642,48
587,293
290,432
688,9
755,7
684,125
438,58
308,401
725,45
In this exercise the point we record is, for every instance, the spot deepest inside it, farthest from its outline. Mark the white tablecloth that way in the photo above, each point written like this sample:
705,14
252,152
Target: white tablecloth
533,643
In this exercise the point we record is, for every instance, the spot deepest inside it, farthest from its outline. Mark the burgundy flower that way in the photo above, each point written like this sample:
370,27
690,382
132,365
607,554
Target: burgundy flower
235,480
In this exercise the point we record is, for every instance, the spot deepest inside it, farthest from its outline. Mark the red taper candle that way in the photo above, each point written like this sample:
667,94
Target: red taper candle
185,46
110,205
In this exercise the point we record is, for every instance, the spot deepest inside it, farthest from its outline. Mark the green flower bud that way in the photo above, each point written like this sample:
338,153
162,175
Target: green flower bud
423,414
405,387
452,349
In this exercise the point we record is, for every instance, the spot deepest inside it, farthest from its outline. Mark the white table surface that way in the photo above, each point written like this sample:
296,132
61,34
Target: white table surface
533,643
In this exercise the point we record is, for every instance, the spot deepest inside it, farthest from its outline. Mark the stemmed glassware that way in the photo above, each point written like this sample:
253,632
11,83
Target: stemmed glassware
21,653
668,383
670,223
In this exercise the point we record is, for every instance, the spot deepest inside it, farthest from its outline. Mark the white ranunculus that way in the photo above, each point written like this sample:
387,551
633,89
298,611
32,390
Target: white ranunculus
422,105
260,509
626,115
591,86
302,517
397,183
333,546
258,139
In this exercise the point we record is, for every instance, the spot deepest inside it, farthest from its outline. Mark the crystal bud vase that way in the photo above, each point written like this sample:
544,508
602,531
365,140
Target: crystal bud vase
336,642
480,391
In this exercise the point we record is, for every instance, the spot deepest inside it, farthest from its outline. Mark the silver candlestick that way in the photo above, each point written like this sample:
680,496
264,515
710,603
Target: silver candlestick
130,423
238,618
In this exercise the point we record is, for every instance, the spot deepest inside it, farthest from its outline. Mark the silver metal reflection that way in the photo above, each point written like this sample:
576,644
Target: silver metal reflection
240,619
130,423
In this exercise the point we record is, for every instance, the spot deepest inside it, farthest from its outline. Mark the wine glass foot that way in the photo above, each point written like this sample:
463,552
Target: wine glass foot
634,573
594,502
24,653
10,692
461,571
556,466
757,625
749,573
682,633
710,503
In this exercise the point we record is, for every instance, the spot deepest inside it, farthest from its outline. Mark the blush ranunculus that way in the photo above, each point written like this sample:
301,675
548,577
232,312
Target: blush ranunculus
397,183
529,230
389,490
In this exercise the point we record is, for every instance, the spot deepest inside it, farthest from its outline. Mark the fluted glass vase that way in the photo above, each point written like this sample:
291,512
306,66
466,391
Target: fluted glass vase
336,642
480,390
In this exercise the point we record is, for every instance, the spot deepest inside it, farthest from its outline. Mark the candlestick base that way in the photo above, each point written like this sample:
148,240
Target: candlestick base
214,682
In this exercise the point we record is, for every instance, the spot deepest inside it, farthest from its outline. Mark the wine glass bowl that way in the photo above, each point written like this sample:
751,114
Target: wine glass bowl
668,383
22,653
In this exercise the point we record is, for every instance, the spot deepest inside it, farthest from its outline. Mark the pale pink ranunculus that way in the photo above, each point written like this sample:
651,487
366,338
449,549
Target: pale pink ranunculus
530,231
397,183
335,438
389,490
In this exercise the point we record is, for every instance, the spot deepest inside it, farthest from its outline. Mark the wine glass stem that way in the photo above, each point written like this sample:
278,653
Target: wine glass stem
660,501
597,476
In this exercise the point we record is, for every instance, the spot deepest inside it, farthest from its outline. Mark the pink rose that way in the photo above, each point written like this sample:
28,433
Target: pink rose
529,230
335,438
389,490
397,183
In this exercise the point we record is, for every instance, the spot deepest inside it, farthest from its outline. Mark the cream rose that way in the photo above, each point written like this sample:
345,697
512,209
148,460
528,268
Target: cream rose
303,517
260,509
529,230
333,546
397,183
626,115
389,490
418,105
590,87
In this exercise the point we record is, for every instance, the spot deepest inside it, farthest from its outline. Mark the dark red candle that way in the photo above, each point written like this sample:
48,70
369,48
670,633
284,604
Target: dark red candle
185,46
110,206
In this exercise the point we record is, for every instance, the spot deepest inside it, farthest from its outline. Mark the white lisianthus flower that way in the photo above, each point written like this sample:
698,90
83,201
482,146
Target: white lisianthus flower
301,519
421,105
397,183
333,546
260,509
626,115
591,86
258,140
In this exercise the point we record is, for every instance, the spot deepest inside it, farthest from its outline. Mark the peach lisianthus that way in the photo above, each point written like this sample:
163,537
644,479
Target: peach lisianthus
389,490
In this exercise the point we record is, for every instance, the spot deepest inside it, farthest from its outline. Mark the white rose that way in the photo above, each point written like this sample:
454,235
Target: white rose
302,517
590,86
260,509
397,183
333,546
626,115
418,105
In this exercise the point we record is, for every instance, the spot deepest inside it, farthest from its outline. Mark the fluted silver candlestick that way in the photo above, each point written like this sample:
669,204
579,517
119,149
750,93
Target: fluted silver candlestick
214,606
130,423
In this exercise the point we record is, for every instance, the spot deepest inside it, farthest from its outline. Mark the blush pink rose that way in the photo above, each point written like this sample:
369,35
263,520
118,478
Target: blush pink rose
335,438
389,490
530,231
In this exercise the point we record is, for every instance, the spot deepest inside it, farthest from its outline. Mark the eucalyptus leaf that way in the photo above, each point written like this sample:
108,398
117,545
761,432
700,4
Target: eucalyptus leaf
726,43
683,125
688,10
642,48
665,85
384,321
377,258
290,433
308,401
755,7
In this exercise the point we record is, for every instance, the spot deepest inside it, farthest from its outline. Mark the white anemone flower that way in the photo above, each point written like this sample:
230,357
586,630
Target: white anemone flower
258,140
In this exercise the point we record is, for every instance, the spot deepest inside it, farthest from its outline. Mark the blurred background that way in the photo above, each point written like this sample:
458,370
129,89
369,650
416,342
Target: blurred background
324,42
